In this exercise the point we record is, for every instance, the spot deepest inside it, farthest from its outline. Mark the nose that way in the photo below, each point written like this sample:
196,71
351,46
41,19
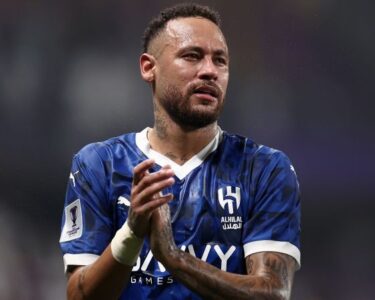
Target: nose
208,70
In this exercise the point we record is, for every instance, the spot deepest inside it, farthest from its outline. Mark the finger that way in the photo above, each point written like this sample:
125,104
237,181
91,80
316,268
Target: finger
152,191
149,179
154,177
155,203
140,169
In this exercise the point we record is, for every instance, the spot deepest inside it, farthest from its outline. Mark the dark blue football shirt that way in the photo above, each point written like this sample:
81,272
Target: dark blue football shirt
232,199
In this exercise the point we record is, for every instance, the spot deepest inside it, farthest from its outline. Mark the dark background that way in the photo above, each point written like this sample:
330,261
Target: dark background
302,80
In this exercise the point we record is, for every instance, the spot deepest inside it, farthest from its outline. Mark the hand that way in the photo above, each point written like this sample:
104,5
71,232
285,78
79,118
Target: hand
161,235
146,195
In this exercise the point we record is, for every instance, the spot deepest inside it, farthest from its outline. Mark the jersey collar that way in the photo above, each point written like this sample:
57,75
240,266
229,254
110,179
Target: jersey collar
181,171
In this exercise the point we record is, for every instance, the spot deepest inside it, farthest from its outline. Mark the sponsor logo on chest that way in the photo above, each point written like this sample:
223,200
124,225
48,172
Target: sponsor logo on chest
230,200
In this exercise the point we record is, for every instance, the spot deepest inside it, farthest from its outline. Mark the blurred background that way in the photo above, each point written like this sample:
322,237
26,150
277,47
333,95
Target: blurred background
302,80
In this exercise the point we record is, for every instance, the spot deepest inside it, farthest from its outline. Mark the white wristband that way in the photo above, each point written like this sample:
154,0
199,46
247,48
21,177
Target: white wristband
126,246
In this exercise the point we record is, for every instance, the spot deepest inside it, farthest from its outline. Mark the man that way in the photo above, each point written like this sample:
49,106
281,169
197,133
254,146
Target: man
182,210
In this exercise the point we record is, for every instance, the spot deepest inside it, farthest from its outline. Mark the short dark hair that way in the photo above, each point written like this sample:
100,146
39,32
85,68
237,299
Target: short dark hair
183,10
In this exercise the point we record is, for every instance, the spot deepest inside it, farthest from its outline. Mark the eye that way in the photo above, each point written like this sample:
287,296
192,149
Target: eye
191,56
220,60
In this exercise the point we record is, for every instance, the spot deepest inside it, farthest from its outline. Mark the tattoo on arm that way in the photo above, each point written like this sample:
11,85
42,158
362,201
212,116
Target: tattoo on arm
277,267
249,265
269,276
277,270
81,280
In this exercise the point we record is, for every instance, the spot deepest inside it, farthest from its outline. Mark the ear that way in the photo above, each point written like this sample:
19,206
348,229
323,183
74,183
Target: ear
147,66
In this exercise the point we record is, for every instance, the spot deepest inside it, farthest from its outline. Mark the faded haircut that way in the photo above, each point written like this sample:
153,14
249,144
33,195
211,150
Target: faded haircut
184,10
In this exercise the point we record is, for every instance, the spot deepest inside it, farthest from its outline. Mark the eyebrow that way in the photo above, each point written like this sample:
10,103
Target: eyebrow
218,52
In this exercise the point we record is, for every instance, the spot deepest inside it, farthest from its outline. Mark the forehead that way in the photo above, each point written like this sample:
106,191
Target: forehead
194,32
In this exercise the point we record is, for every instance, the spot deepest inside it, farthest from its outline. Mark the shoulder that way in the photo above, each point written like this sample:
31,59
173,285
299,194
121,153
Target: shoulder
256,156
251,148
104,150
269,156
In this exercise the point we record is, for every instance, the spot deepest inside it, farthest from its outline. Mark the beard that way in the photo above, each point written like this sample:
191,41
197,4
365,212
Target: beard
182,112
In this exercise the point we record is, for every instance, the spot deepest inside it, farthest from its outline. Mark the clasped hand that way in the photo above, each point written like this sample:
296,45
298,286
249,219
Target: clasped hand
149,210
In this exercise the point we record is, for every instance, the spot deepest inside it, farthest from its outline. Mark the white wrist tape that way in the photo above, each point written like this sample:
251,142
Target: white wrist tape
126,246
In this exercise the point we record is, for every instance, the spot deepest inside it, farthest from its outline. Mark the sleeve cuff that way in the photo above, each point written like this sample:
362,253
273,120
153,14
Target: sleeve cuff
273,246
81,259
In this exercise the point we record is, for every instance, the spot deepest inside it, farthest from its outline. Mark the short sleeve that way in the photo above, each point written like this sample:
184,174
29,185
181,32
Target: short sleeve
274,219
87,226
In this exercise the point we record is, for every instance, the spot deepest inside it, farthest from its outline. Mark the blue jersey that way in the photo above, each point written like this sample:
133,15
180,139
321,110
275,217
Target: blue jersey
232,199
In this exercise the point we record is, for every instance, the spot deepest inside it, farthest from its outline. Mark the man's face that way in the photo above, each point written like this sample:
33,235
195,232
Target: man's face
191,73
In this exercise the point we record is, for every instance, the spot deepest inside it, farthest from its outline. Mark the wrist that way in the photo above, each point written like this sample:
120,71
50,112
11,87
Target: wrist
126,246
173,259
169,256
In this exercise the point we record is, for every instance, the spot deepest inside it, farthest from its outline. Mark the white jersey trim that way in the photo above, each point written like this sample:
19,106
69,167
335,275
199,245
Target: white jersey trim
273,246
180,171
82,259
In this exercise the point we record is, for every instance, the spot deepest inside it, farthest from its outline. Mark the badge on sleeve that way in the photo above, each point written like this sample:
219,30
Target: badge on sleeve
73,222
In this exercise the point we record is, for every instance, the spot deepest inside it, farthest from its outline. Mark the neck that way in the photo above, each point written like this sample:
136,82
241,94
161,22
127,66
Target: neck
178,143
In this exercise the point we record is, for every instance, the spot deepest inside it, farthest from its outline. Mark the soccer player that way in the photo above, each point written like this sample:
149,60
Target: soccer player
182,210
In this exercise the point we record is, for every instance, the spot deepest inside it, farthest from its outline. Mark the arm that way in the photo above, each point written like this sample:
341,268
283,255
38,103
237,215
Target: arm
269,274
107,277
104,279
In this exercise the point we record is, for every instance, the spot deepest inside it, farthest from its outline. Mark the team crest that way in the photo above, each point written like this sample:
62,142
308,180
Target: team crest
230,200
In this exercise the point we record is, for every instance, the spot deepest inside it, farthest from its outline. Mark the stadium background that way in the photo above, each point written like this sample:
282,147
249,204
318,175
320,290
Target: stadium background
302,80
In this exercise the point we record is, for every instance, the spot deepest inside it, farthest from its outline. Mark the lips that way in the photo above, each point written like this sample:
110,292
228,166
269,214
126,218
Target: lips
208,90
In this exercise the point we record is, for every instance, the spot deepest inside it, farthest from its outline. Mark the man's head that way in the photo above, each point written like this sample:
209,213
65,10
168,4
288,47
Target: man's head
186,60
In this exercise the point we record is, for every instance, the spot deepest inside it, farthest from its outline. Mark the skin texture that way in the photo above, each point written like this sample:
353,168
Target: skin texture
190,55
187,68
269,274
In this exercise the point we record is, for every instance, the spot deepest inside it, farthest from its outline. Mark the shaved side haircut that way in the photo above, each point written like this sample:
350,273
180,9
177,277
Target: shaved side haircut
184,10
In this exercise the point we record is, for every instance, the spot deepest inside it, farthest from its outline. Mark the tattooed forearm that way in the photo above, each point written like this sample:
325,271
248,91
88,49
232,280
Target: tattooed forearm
269,274
203,278
81,281
269,277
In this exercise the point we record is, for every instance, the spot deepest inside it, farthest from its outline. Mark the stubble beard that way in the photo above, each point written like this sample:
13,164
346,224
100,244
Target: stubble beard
181,111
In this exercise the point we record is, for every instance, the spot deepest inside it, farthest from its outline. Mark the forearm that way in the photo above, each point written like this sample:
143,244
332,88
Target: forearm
269,274
104,279
213,283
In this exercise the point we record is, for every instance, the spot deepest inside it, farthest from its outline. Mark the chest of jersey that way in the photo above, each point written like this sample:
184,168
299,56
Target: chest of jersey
235,194
209,208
